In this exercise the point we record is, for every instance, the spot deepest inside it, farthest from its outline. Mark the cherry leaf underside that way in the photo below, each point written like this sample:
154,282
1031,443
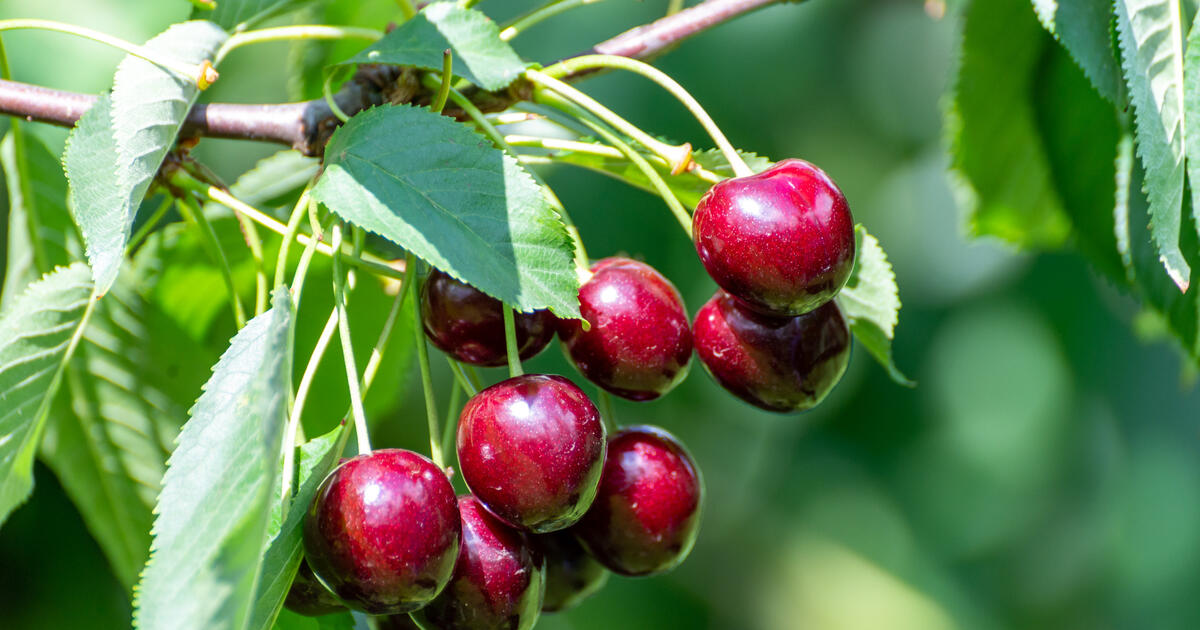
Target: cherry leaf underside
443,192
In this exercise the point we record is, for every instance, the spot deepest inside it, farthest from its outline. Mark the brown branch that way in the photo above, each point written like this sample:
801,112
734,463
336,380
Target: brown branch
306,125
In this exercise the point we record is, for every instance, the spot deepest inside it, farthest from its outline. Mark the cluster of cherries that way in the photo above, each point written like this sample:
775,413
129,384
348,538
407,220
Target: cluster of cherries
555,502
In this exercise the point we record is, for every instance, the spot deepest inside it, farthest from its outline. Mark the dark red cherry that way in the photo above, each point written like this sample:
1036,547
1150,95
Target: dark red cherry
781,240
777,363
468,324
531,449
646,515
572,574
383,531
498,580
307,596
639,343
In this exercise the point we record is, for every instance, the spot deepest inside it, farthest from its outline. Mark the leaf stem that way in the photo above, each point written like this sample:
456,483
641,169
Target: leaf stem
339,298
522,23
590,62
200,74
439,102
306,380
290,232
510,343
194,215
679,157
435,447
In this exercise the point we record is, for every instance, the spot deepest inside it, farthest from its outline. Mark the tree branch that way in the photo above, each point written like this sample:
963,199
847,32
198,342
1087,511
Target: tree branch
305,126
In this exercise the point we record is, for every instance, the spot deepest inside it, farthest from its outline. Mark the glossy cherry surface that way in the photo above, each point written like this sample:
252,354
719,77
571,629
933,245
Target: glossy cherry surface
639,343
781,240
383,532
468,324
498,579
531,449
646,515
572,574
776,363
308,596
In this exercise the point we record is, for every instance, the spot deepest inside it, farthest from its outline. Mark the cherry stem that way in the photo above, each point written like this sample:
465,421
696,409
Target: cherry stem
298,279
339,298
254,244
607,415
327,93
656,180
386,333
201,75
194,215
435,447
149,225
32,221
452,413
299,31
589,62
306,380
290,232
674,6
679,157
460,377
406,9
522,23
439,102
510,343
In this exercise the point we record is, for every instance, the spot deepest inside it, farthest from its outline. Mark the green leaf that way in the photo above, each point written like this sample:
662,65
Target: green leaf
39,174
289,620
480,56
1082,27
213,511
871,302
998,163
1151,35
37,335
240,14
1191,102
315,460
112,167
442,191
271,178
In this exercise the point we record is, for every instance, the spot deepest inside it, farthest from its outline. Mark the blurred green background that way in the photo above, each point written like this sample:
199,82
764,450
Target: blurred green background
1045,473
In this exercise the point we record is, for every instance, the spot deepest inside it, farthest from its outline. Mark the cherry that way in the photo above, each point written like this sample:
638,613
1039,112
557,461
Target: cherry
776,363
468,324
639,343
498,579
572,575
531,449
646,515
383,531
781,240
308,596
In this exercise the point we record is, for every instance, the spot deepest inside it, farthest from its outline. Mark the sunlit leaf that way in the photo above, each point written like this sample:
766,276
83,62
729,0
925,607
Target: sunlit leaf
1082,27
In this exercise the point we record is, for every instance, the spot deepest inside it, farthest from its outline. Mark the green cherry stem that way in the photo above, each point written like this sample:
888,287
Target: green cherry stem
25,185
299,31
674,6
592,62
306,380
607,415
510,342
290,232
522,23
202,75
599,150
194,215
327,93
443,93
385,334
452,413
254,244
149,225
679,157
339,298
406,9
298,279
435,447
460,377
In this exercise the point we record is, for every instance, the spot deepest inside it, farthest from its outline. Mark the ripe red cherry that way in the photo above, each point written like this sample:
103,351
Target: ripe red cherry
781,240
776,363
646,515
498,579
572,574
468,324
531,449
639,343
383,531
307,596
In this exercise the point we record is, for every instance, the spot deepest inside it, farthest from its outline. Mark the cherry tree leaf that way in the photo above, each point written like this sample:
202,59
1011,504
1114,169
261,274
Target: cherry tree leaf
1151,34
871,302
214,509
241,14
443,192
1082,27
111,166
480,56
38,332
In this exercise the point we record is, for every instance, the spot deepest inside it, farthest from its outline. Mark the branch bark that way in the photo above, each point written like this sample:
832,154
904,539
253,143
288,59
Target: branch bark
305,126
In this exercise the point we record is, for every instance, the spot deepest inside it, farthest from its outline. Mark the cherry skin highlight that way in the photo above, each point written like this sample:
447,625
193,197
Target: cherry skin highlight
468,324
781,240
639,343
383,532
646,515
531,448
307,596
780,364
572,575
498,580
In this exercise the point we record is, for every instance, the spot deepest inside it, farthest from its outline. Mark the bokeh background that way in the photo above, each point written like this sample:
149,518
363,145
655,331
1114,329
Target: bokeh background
1045,473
